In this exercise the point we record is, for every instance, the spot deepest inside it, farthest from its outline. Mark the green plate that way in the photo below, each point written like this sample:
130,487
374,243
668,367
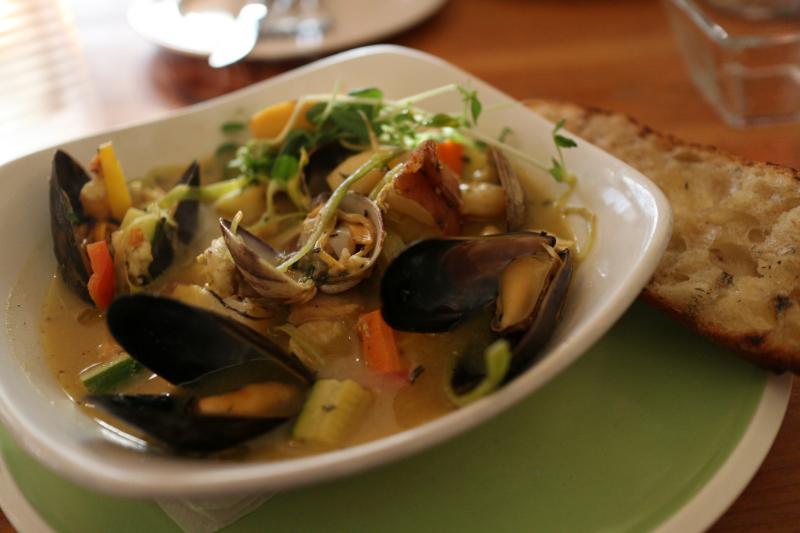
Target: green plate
620,441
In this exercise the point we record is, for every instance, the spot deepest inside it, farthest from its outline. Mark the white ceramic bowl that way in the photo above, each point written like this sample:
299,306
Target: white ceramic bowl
634,226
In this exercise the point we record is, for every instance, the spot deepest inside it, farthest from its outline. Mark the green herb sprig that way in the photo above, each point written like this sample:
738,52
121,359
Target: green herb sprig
559,169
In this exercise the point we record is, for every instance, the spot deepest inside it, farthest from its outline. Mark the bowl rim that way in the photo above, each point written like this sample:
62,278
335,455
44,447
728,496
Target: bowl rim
202,479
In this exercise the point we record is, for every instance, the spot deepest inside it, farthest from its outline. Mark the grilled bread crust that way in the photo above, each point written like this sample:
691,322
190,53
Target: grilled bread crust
732,267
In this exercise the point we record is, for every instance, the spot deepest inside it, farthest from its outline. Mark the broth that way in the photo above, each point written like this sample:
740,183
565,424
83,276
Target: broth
75,337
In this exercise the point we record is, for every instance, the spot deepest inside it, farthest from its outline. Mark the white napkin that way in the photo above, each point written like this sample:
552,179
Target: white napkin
207,515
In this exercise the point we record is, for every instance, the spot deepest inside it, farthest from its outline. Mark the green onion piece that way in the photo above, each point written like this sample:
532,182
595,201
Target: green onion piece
385,180
294,186
207,193
497,358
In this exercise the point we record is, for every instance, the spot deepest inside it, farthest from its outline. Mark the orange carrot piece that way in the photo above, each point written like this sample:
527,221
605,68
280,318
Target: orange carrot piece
378,345
450,153
101,282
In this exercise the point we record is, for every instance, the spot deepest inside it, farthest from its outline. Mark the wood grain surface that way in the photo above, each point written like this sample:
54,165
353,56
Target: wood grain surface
70,67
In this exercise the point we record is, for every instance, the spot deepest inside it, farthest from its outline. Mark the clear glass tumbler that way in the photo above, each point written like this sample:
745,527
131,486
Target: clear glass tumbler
746,66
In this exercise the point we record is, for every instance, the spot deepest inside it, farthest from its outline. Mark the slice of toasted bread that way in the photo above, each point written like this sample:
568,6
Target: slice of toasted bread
732,268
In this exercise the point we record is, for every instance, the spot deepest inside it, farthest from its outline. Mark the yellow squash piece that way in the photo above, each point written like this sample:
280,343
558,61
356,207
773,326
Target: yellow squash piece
332,411
116,187
270,121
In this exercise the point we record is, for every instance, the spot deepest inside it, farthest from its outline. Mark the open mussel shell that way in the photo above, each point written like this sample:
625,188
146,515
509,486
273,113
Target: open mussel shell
321,161
172,420
435,283
67,178
205,354
183,230
193,347
539,326
257,262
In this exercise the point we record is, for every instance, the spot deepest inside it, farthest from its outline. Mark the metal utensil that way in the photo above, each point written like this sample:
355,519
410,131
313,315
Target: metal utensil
240,37
304,19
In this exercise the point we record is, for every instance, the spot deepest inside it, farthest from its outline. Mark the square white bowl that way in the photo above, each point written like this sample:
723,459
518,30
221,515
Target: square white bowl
634,224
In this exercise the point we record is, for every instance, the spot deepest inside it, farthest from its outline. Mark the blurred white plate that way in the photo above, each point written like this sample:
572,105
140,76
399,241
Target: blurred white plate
354,22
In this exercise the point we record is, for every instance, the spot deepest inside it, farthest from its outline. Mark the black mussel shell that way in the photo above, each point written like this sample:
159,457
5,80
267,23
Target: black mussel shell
321,162
67,178
173,421
546,318
162,249
188,346
435,283
187,211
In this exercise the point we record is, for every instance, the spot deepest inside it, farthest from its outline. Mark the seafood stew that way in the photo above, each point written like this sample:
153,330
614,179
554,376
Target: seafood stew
357,267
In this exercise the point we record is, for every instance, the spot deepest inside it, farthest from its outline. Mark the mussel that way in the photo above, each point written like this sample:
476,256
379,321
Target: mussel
211,358
342,256
72,227
436,283
67,178
186,214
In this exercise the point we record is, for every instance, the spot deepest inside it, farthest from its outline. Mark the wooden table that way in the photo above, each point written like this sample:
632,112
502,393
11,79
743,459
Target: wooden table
66,71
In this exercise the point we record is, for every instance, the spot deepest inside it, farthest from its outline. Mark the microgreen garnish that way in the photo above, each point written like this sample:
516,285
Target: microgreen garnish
226,148
472,106
559,169
229,128
364,119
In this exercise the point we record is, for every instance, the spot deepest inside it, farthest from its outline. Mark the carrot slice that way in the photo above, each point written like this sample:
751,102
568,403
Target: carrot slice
101,282
378,344
450,153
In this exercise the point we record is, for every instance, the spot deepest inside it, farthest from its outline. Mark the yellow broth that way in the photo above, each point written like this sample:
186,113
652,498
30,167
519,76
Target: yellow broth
75,338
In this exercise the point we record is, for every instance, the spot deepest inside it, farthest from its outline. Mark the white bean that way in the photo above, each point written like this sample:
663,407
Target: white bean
482,200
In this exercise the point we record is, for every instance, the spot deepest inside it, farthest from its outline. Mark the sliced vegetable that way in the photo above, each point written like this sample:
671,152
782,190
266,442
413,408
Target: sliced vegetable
108,376
333,410
497,359
117,188
450,153
378,345
306,350
270,121
101,282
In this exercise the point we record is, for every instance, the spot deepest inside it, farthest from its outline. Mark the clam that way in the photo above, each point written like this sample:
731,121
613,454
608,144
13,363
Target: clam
257,261
343,255
516,215
437,283
232,383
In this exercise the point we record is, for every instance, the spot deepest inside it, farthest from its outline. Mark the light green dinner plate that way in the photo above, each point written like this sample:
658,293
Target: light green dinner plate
621,441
